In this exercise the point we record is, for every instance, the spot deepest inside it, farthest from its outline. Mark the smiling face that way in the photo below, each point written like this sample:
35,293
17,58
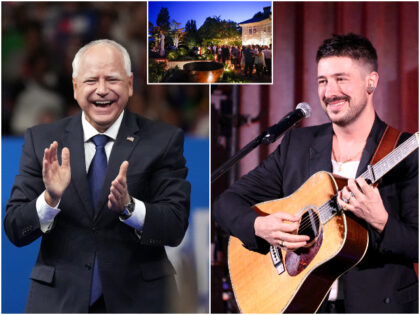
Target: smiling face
342,88
102,87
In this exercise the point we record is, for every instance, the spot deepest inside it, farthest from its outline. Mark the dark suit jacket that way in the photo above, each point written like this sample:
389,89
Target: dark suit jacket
385,280
136,273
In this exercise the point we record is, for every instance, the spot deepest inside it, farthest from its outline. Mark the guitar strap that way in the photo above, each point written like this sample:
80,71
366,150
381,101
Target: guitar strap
387,143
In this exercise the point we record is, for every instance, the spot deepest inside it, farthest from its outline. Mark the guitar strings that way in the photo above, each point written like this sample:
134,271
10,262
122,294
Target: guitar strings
323,210
306,222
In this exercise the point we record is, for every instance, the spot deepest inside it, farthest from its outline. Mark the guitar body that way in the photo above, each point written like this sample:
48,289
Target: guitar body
308,275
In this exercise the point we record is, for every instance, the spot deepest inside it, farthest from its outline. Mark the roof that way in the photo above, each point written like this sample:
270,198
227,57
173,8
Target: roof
258,17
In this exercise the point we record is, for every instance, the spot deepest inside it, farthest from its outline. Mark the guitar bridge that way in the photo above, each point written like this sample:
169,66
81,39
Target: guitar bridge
277,258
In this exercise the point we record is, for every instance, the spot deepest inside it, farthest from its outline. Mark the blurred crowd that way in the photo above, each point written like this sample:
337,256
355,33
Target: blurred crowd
39,41
245,58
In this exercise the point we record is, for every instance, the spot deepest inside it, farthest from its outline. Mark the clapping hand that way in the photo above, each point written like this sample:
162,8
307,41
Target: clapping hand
118,196
56,177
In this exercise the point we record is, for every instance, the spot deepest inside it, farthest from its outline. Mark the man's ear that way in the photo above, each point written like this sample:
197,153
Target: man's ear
372,81
130,85
74,89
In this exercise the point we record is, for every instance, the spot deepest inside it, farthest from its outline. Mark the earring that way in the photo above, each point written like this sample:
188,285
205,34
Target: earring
370,88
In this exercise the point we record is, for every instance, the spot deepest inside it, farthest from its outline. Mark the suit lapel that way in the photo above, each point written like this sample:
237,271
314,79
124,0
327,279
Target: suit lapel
74,141
320,151
127,139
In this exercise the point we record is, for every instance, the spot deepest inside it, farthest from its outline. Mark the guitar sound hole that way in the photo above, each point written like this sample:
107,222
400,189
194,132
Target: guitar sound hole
296,261
309,225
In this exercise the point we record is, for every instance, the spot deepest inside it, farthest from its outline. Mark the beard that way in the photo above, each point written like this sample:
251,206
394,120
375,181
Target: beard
351,114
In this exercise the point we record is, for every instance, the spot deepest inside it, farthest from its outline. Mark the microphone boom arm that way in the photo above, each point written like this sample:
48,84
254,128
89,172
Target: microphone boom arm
236,157
266,137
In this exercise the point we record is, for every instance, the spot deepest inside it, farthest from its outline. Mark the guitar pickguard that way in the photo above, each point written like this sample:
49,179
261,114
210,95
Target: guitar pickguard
296,261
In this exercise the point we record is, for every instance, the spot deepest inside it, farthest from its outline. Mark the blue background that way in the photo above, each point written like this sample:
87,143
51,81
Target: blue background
17,263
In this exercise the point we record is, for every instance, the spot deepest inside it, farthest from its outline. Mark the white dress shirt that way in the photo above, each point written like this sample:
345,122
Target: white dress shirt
47,214
348,170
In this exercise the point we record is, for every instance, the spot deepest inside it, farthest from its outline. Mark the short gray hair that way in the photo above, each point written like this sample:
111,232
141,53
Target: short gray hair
76,61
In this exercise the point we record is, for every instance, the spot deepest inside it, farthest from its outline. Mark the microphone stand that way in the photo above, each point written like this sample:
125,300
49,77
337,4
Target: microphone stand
266,137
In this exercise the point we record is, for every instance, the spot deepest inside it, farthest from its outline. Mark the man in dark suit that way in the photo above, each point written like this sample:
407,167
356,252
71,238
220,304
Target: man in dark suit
107,207
385,280
249,61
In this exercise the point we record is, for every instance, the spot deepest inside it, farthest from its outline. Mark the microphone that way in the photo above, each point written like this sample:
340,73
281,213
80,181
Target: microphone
303,110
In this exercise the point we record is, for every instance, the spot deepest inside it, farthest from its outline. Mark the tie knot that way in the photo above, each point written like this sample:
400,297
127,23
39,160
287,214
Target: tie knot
100,140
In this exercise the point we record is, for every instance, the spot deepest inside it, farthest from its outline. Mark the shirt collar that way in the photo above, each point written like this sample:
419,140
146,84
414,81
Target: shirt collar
89,131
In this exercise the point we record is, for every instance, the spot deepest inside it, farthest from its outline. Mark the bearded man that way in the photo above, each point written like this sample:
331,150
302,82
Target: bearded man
385,280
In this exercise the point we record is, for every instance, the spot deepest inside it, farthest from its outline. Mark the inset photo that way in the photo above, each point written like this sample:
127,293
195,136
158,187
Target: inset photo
203,42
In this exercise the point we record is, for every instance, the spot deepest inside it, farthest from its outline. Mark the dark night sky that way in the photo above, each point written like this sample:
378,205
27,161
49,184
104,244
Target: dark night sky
182,11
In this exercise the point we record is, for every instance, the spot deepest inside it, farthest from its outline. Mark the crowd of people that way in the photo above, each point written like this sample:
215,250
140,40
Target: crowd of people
246,58
39,42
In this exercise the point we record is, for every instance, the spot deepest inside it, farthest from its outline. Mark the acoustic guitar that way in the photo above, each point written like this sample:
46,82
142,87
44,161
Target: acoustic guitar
298,281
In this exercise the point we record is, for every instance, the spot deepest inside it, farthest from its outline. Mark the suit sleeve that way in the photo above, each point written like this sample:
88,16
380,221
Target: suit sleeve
167,213
400,236
233,209
21,222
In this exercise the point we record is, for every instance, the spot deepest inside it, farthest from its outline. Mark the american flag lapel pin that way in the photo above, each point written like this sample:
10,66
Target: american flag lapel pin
131,139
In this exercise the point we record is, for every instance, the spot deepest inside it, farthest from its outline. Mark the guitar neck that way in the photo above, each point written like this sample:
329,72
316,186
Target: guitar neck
375,172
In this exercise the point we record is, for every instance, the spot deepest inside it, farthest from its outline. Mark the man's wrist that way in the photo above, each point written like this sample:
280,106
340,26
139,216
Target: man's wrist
128,209
46,213
381,226
256,226
52,202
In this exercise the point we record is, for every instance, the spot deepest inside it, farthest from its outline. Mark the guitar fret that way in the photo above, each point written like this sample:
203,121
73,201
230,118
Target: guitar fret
328,210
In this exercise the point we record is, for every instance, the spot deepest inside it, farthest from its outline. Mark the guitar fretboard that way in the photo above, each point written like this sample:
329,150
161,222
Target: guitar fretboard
374,173
392,159
328,210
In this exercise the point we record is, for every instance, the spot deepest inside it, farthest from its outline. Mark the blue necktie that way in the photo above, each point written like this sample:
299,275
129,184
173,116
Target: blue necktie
96,176
97,168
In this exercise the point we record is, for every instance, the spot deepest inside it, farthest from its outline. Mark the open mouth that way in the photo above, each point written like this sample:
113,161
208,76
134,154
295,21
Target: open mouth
102,103
336,103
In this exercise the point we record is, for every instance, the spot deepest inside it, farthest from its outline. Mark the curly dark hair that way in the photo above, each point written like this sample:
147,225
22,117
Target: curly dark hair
350,45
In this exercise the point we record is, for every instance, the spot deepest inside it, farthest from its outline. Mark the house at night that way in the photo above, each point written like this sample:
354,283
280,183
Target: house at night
258,30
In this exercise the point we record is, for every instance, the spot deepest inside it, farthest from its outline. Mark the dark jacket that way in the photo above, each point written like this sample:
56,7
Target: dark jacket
385,280
135,272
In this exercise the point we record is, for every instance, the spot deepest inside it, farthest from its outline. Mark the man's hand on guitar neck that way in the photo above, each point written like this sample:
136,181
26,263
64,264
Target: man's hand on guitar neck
365,202
279,229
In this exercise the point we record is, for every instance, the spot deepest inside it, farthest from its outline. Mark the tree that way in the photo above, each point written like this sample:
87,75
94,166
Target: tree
177,33
219,32
155,33
163,19
190,38
191,27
